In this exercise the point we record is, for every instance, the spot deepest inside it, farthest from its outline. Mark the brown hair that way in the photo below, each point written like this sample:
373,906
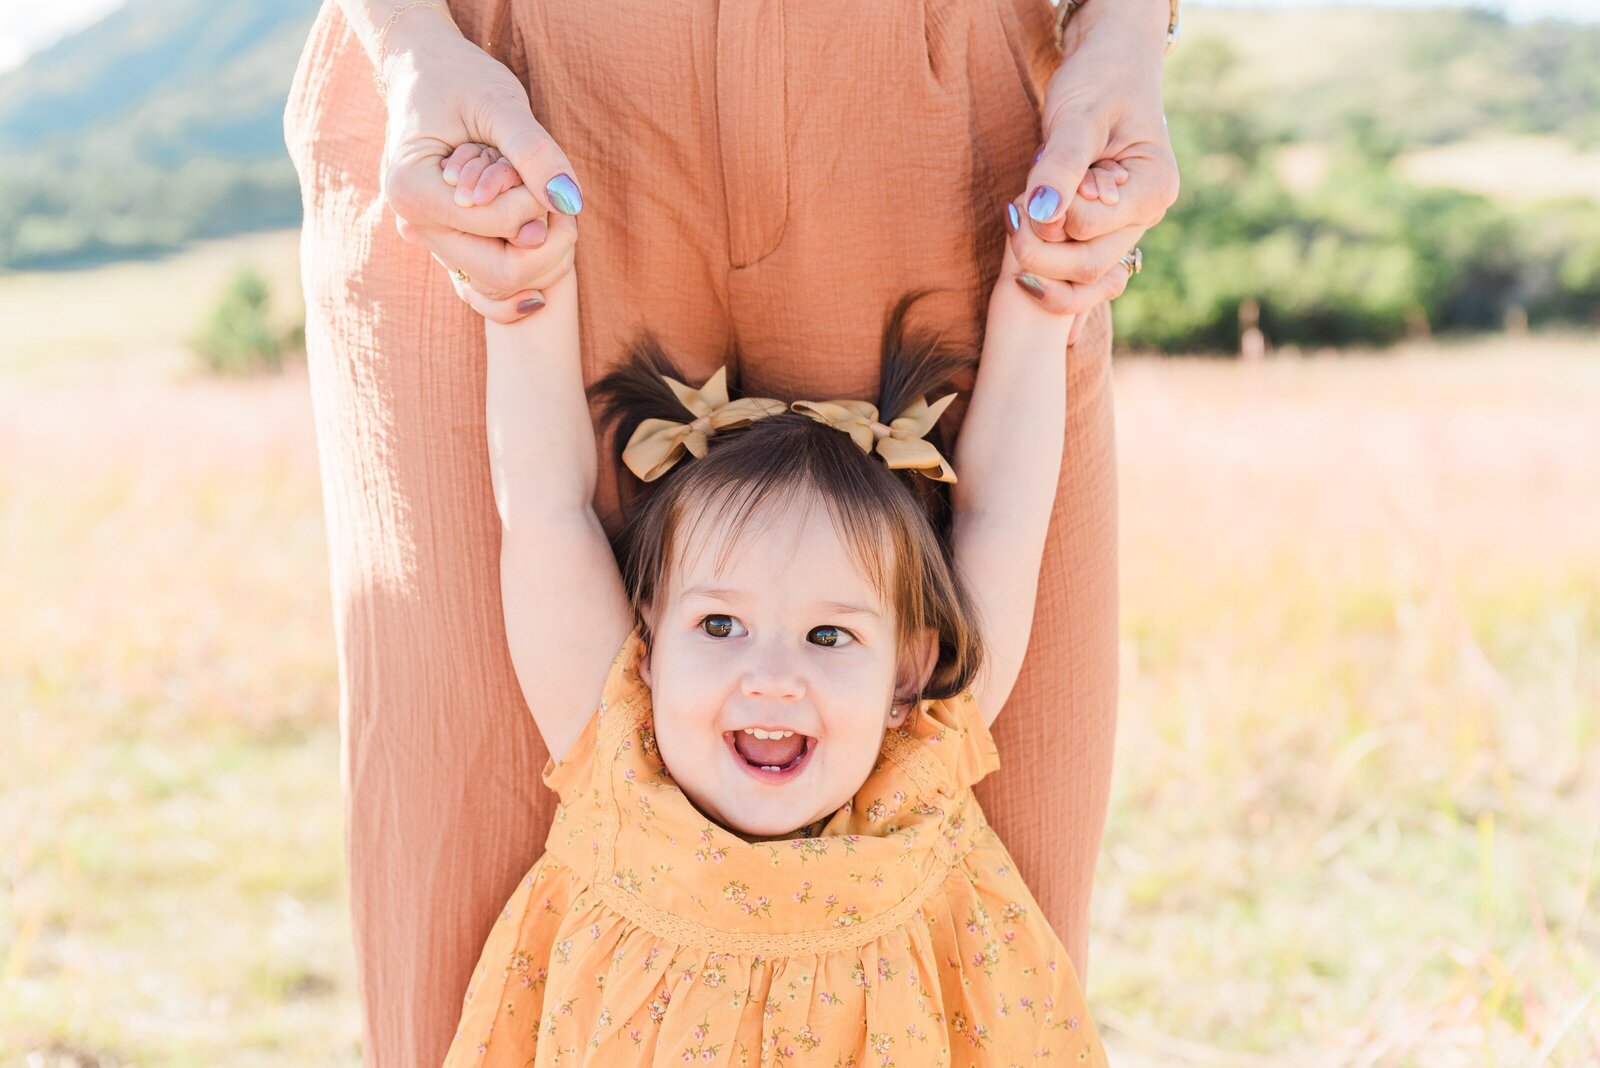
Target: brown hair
789,456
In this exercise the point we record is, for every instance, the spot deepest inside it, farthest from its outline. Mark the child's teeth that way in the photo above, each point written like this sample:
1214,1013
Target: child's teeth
759,733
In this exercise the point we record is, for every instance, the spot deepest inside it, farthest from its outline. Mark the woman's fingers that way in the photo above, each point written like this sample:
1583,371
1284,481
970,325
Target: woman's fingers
517,306
1069,298
537,158
1149,185
1078,262
499,270
1087,285
414,189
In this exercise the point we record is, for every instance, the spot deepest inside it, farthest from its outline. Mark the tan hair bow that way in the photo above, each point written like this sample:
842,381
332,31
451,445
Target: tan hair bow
657,444
900,442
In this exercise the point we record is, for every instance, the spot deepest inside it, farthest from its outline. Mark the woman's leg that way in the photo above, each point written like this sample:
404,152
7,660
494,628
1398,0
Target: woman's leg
884,165
440,758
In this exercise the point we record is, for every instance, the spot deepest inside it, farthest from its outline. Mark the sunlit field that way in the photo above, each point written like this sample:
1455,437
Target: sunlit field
1358,773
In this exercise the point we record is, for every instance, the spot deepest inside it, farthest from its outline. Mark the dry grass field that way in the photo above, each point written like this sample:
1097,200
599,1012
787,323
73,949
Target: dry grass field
1358,783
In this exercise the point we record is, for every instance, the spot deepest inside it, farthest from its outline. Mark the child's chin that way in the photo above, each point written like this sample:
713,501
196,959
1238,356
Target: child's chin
778,825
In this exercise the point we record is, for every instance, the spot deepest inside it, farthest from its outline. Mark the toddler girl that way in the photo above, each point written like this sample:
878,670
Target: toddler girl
764,727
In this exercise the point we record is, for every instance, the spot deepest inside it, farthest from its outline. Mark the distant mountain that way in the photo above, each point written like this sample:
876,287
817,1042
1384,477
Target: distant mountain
163,81
160,124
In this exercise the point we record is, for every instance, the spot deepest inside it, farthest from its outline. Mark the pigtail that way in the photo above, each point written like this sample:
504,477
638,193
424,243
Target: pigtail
632,392
916,365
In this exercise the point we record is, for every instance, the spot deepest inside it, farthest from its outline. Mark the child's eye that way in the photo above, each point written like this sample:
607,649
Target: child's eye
833,637
719,626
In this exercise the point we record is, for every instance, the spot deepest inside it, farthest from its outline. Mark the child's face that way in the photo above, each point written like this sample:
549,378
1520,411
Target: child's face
769,643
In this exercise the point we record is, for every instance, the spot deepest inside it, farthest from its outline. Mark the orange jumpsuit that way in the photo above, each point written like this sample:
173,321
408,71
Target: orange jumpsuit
765,173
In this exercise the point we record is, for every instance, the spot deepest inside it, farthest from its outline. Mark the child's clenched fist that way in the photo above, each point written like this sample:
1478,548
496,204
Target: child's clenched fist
479,173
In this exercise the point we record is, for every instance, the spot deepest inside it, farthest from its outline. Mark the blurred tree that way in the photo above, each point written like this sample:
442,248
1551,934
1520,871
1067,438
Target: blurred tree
239,337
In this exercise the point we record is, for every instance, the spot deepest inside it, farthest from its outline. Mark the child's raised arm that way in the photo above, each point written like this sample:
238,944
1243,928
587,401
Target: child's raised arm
1008,462
566,613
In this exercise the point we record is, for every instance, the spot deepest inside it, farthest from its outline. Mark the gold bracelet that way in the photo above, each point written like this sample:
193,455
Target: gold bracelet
1065,8
383,37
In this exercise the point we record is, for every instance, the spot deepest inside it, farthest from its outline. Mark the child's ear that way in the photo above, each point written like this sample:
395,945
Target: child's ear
644,660
916,667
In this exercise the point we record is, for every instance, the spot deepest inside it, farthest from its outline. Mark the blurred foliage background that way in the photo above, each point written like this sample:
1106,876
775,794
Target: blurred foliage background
1316,181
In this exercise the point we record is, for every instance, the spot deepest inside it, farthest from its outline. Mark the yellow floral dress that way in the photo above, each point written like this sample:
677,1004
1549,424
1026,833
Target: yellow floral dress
896,932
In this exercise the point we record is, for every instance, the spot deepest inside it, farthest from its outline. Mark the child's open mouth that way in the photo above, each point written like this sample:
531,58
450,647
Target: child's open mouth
773,757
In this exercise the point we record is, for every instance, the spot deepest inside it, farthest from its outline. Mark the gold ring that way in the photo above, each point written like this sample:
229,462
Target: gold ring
461,276
1133,260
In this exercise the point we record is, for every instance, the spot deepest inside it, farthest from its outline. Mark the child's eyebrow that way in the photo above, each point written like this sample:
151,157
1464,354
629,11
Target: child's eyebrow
722,593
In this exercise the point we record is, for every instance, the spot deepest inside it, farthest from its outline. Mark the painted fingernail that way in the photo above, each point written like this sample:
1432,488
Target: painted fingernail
1013,217
1037,154
531,304
564,194
1031,285
1043,204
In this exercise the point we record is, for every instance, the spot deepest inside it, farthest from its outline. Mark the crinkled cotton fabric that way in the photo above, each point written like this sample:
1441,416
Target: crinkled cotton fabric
895,932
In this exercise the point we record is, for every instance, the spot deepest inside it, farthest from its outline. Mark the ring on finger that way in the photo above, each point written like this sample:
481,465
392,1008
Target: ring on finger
460,276
1133,260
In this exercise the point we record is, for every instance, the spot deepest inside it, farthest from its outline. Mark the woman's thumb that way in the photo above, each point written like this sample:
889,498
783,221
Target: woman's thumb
1054,181
544,168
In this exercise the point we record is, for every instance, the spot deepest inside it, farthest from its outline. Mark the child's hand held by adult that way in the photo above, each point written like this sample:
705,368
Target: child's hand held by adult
442,92
1103,117
1030,260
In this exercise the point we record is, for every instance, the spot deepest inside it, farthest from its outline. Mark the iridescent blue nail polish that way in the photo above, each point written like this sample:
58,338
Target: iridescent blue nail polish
1043,204
564,194
1037,154
1032,285
1013,218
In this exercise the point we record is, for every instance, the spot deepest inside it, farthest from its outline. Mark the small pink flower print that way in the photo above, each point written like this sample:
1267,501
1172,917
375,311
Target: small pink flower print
1072,1023
708,1055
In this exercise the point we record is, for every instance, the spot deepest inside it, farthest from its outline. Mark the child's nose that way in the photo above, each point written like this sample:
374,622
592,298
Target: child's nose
773,673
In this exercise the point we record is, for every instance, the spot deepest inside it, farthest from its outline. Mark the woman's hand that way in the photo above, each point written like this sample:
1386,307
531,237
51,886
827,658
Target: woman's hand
1103,104
443,91
479,174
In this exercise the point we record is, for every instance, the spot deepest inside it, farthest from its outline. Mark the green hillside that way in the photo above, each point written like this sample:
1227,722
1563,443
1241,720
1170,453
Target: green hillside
159,124
1411,77
162,81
